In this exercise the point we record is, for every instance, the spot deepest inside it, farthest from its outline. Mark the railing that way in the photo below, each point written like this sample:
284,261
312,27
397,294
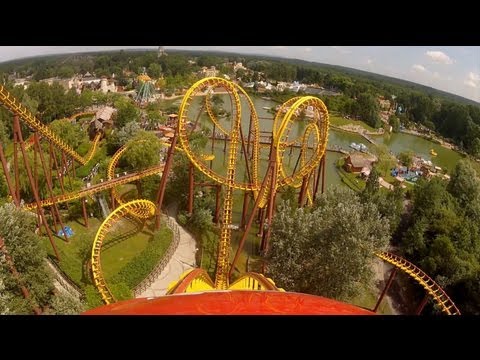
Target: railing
65,281
157,270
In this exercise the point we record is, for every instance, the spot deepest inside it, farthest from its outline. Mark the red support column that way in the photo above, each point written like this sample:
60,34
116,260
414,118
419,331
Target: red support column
213,143
50,188
218,190
261,224
163,181
112,200
11,189
250,220
246,200
85,215
317,179
15,164
389,283
59,172
271,202
190,189
65,170
422,304
18,130
249,135
303,190
324,159
244,149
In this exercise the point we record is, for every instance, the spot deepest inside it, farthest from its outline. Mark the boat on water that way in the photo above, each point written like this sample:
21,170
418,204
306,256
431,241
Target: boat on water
433,153
358,147
266,108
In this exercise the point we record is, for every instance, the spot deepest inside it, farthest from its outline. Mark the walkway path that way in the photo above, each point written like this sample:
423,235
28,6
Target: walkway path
182,260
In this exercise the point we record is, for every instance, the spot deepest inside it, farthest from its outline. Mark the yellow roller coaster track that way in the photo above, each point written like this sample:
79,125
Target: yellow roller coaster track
198,161
197,280
282,125
143,209
113,164
280,137
98,187
13,105
221,275
255,132
29,141
437,293
208,106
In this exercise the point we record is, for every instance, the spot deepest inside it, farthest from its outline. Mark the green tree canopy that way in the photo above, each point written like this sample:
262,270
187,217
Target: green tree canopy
17,229
406,158
326,250
465,186
127,112
143,151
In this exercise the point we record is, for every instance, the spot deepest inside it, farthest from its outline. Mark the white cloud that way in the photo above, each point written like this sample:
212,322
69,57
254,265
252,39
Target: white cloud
418,67
439,57
436,75
341,50
308,49
369,61
470,83
473,80
279,47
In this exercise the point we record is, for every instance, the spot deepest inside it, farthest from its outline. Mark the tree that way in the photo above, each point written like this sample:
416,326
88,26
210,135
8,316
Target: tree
395,123
17,228
464,185
475,147
385,160
5,299
127,112
368,110
406,158
3,187
154,70
440,239
122,136
70,133
144,153
372,185
63,304
289,194
331,259
154,118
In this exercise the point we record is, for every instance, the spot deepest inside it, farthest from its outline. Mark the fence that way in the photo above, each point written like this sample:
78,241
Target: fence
140,288
65,281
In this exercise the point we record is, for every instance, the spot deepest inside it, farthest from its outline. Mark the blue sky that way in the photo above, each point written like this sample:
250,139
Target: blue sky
455,69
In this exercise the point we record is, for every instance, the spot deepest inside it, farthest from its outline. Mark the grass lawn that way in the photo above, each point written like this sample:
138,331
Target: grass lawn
336,119
71,259
123,244
125,241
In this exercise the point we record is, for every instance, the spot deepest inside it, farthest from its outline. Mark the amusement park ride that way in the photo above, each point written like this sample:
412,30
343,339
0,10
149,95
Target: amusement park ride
195,292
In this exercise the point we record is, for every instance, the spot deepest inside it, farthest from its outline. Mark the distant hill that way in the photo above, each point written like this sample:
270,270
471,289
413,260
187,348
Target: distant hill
342,69
8,65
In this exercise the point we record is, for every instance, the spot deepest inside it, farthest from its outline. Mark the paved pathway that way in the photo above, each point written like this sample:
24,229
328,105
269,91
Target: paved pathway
182,260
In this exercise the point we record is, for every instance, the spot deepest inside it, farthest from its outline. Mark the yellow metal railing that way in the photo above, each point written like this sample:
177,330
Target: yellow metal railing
437,293
13,105
143,209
